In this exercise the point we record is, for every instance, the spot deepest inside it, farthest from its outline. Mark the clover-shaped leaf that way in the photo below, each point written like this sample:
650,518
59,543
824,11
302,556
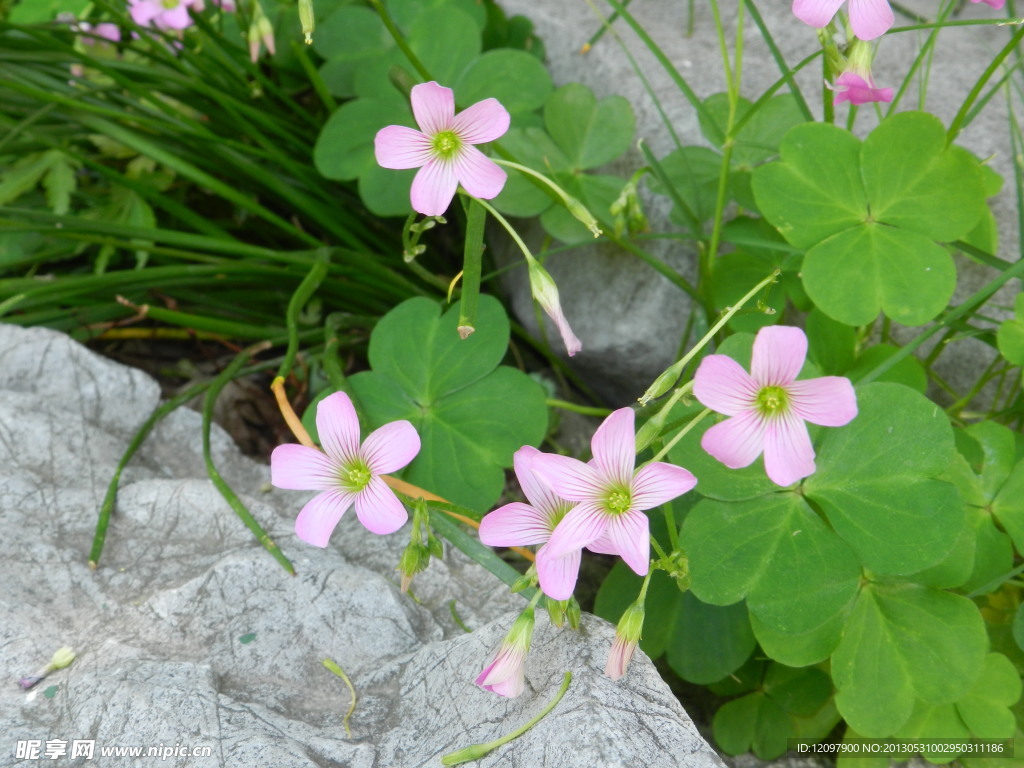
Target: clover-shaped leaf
589,132
1010,337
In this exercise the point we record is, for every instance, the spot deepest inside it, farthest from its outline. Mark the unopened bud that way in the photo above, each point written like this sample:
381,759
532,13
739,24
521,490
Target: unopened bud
665,381
584,216
627,212
307,20
260,31
62,658
677,565
546,293
627,635
415,558
572,613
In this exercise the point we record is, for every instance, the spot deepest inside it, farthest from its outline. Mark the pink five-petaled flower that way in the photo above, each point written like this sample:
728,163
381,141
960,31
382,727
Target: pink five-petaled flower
345,472
442,148
869,18
519,524
768,406
162,14
504,675
612,496
857,90
997,4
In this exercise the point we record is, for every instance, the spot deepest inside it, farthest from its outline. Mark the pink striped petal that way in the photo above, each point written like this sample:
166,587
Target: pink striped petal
829,401
504,675
485,121
338,427
788,453
433,188
855,89
318,519
378,509
580,526
659,482
722,385
390,447
433,106
174,18
817,13
736,442
479,175
570,478
630,537
614,447
870,18
398,147
515,525
779,354
300,468
558,574
535,487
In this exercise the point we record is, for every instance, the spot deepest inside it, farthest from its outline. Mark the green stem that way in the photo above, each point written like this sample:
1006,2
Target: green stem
961,116
586,410
302,294
400,40
679,435
333,667
472,255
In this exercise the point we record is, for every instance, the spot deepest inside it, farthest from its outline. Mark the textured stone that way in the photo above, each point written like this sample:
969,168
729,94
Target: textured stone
190,635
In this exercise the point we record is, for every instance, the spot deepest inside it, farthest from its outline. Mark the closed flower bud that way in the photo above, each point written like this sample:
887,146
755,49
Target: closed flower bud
627,635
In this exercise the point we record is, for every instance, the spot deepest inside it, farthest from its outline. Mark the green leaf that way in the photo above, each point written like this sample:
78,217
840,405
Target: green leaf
445,42
1008,505
904,642
589,132
594,191
714,479
471,416
760,136
801,648
754,722
875,481
909,371
344,149
515,78
60,183
830,344
692,173
985,708
1010,336
939,723
800,692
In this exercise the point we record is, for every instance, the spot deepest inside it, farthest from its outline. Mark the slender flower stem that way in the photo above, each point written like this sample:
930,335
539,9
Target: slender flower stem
586,410
679,435
476,218
508,228
643,587
400,40
476,751
572,204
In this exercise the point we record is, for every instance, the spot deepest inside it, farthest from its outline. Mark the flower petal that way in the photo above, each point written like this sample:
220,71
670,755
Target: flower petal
659,482
378,509
779,354
478,174
722,385
736,442
390,447
630,537
301,468
318,519
538,491
870,18
829,401
580,526
855,89
433,106
614,447
788,453
398,147
485,121
817,13
433,188
515,525
568,477
338,427
558,574
504,675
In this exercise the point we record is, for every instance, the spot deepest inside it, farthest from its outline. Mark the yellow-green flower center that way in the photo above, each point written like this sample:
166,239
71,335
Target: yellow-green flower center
355,477
772,401
618,500
446,143
170,4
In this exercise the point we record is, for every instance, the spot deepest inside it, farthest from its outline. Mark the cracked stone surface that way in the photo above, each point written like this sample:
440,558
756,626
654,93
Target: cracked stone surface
189,634
631,319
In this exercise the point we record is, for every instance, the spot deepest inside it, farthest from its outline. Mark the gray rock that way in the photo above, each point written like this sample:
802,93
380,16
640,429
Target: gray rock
190,635
631,319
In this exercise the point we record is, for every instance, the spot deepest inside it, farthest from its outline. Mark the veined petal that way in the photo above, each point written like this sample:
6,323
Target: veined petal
537,490
378,509
580,526
398,147
301,468
659,482
174,18
568,477
338,427
817,13
722,385
558,574
870,18
736,442
855,89
433,106
829,401
143,11
515,525
630,537
788,453
478,174
779,354
318,519
433,188
614,447
485,121
390,447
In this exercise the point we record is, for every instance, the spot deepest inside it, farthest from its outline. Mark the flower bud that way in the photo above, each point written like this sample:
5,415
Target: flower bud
504,675
62,658
627,635
627,212
307,20
665,381
415,558
546,293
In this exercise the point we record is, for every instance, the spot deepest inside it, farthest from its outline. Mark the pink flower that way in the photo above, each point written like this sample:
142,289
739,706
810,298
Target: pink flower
546,293
857,90
768,406
504,675
442,149
997,4
611,494
519,524
627,636
346,472
162,14
105,31
869,18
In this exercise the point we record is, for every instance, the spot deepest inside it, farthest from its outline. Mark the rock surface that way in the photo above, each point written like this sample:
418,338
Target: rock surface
190,635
